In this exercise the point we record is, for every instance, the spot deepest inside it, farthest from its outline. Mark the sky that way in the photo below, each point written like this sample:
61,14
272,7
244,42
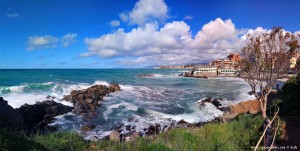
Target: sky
132,33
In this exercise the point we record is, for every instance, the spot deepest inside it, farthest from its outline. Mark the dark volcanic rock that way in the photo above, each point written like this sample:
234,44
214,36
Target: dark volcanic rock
30,118
39,115
251,92
145,75
215,102
188,74
182,123
86,101
9,117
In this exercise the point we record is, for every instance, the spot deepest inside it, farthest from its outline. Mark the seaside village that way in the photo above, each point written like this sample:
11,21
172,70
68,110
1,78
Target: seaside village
228,67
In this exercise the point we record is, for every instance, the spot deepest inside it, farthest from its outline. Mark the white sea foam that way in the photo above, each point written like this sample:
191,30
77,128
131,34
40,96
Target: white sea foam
101,83
17,95
207,113
128,106
126,87
165,75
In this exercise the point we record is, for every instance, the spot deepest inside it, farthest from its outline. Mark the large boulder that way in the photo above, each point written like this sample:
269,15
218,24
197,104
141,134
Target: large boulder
114,136
86,101
9,117
39,115
251,106
30,117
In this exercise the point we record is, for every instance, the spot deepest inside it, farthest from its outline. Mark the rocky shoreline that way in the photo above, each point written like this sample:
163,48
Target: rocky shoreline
127,132
32,118
36,117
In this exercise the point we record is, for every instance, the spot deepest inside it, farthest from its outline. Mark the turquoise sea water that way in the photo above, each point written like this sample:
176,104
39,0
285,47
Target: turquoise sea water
144,101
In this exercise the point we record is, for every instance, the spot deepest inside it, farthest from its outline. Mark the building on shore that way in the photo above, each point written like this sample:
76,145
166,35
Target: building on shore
228,72
205,71
212,71
219,67
223,63
231,62
235,57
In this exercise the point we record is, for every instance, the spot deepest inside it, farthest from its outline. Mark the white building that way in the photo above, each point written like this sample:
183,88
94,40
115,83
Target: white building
205,71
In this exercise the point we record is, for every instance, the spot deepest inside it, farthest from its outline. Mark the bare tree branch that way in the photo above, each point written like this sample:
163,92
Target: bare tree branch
265,59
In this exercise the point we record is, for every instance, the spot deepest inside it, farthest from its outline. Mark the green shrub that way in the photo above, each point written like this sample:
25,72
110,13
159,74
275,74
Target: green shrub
290,96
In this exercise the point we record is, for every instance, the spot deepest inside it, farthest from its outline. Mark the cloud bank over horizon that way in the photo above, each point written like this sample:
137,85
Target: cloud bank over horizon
156,42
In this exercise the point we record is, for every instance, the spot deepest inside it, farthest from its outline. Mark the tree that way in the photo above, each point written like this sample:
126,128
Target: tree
265,59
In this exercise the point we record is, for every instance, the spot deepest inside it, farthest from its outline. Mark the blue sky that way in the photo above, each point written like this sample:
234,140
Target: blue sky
129,33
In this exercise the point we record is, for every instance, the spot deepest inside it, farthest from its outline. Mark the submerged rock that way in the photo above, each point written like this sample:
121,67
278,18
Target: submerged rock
87,127
145,75
86,101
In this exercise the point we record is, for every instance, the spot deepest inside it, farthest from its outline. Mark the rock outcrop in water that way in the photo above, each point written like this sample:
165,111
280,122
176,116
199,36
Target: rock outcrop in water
215,102
30,118
86,101
145,75
39,115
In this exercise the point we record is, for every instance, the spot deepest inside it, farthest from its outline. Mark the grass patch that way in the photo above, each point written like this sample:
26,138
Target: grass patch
13,141
61,141
239,134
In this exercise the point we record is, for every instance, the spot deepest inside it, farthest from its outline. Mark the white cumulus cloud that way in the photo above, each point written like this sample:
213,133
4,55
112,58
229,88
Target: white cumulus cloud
48,41
123,17
171,44
146,11
41,42
114,23
68,39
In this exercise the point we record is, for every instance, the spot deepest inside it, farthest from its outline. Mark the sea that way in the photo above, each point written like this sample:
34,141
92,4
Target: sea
142,101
